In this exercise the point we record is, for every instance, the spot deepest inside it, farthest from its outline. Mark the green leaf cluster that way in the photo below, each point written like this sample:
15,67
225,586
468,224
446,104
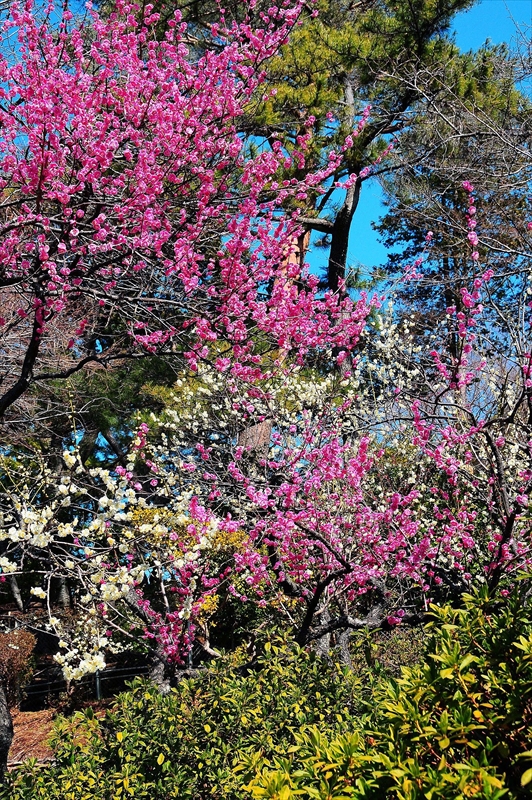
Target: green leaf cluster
291,725
455,726
189,743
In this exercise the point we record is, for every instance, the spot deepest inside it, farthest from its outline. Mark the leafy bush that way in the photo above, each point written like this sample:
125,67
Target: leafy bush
386,652
16,650
455,726
186,744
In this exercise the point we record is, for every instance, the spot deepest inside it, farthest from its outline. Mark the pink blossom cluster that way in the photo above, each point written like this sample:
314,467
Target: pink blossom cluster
111,197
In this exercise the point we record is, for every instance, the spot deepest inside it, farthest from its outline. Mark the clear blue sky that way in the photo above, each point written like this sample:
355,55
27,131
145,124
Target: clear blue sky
492,19
489,19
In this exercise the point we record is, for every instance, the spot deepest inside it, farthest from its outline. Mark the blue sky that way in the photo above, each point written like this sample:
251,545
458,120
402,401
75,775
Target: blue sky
489,19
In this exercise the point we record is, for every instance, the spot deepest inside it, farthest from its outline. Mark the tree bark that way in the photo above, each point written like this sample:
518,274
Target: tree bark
15,591
344,218
323,644
24,379
6,732
343,648
340,237
256,437
158,674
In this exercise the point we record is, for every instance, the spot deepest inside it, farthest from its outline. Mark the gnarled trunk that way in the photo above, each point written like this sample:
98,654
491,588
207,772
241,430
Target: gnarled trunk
15,591
158,672
323,644
6,732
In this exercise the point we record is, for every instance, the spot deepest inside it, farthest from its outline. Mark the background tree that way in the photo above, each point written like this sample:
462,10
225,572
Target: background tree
346,60
484,127
335,66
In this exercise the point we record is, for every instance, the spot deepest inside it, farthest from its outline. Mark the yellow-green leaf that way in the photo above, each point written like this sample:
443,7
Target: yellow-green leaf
526,777
447,673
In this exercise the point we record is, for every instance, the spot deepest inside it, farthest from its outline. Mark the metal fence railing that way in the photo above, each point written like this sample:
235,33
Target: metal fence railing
114,678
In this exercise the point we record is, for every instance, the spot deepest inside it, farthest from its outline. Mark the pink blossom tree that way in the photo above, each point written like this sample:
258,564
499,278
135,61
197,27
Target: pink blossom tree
132,221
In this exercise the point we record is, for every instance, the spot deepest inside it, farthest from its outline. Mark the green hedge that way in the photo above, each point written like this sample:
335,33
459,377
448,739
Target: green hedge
187,744
456,726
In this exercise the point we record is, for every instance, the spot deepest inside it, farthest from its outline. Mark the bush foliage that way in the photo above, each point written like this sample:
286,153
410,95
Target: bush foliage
187,744
456,725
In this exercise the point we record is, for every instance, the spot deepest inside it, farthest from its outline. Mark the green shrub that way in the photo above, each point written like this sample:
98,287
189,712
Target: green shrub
186,744
456,726
386,652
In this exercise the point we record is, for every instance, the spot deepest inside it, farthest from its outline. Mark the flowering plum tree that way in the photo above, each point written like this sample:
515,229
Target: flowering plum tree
131,220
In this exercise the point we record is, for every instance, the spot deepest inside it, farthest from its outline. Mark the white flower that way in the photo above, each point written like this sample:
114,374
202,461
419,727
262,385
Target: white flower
41,539
37,591
110,592
69,458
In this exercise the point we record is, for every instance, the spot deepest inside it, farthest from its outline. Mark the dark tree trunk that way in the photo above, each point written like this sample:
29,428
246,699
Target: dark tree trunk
158,672
23,382
340,237
344,218
15,591
6,732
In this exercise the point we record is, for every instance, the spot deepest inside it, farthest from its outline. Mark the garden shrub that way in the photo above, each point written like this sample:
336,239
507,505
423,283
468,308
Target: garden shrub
186,744
457,725
454,726
387,651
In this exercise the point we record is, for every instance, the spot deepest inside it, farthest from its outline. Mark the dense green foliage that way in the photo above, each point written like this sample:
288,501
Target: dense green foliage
455,725
186,744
